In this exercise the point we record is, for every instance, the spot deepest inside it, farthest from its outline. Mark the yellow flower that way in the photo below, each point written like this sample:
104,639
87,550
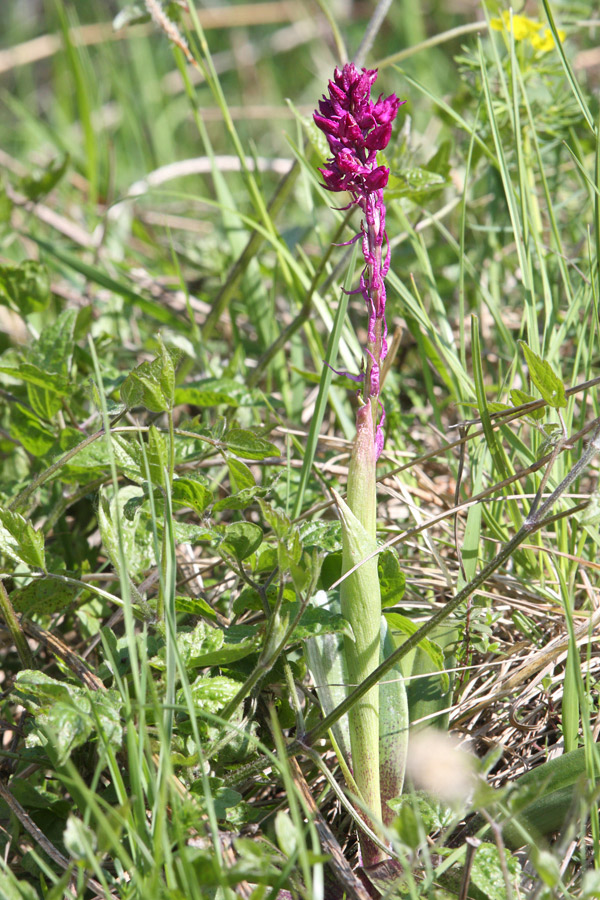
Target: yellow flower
522,27
540,37
544,40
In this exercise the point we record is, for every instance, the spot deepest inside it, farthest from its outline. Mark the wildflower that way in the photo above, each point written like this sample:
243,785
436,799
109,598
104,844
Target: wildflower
540,37
356,128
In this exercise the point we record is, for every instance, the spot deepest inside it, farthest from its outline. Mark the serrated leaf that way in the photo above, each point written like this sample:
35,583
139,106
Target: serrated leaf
32,374
53,351
43,595
520,398
152,384
543,377
403,625
241,540
20,541
248,445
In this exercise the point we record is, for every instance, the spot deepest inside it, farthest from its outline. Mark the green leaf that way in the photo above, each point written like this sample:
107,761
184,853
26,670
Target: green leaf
137,534
248,445
37,186
43,595
157,453
195,606
519,398
403,625
152,384
63,713
5,206
241,540
191,492
414,183
487,875
211,694
240,475
317,621
546,381
26,287
20,540
241,500
27,428
391,578
32,374
217,392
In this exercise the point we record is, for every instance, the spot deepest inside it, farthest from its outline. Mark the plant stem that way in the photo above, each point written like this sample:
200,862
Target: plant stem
14,626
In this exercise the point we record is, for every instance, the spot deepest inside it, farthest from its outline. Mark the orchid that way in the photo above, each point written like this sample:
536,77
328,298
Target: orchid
373,739
356,127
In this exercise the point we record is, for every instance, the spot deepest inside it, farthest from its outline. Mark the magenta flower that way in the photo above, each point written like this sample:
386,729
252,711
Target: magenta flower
356,128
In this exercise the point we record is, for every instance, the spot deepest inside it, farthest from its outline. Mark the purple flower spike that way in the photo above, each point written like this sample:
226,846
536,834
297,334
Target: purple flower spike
356,128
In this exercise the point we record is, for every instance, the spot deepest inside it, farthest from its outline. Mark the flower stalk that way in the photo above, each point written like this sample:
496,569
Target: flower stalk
356,128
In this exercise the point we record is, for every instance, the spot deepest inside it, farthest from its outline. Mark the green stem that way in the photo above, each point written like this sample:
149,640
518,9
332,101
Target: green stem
14,626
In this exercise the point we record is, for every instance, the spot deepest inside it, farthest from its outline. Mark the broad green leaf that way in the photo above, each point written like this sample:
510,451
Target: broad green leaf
151,384
27,428
279,522
25,287
80,840
519,398
66,715
43,595
391,578
317,621
195,606
157,453
414,183
37,186
248,445
402,625
327,664
394,723
217,392
20,541
326,537
53,351
32,374
546,381
240,475
191,492
211,694
241,539
241,500
487,875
